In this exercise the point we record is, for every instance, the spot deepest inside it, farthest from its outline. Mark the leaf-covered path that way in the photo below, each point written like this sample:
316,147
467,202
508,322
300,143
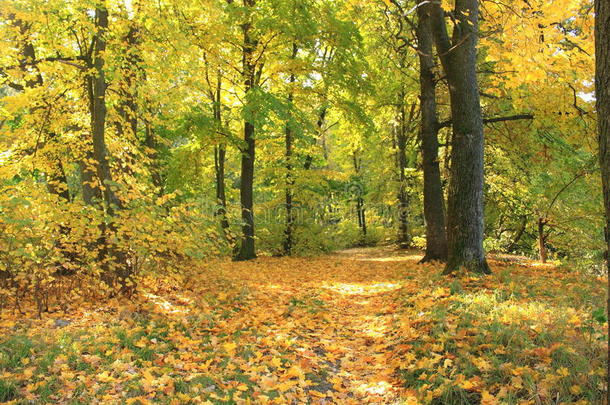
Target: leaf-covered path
337,313
347,340
356,327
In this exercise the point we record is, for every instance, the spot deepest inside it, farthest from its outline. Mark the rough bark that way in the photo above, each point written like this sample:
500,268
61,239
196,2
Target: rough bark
602,95
465,197
434,201
247,249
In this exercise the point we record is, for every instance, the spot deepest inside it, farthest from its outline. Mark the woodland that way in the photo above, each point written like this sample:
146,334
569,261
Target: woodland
304,202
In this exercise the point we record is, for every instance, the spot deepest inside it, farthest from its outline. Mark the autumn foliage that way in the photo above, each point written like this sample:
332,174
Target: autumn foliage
363,326
312,201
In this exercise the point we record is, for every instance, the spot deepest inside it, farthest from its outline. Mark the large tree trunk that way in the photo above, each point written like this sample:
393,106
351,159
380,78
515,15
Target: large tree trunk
289,188
602,95
465,199
434,201
247,250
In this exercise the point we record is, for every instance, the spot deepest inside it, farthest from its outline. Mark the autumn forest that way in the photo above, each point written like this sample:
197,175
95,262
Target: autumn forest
304,202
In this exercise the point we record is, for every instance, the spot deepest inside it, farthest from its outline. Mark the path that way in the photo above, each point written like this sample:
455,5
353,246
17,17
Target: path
339,311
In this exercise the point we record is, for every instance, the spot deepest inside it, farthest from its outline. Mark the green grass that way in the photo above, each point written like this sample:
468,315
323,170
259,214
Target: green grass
8,390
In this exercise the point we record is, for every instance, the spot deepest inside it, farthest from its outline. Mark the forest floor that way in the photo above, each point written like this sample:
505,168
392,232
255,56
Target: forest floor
355,327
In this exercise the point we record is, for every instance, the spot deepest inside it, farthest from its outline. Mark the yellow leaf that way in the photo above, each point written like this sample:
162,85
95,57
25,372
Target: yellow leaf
104,377
294,371
276,362
148,376
488,399
230,347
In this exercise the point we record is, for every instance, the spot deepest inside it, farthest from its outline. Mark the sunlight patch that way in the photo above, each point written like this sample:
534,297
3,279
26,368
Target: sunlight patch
377,388
408,258
362,289
165,305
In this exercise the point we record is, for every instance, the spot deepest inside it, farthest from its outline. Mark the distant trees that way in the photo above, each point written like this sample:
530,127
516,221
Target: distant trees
337,123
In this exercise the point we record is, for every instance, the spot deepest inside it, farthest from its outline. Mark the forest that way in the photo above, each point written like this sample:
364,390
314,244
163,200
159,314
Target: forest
304,202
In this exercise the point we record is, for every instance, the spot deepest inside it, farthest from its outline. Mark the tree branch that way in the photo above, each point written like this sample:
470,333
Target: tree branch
517,117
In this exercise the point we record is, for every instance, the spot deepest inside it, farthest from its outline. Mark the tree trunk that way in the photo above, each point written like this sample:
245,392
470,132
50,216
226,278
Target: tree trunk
542,240
57,183
288,231
247,250
320,128
153,155
434,201
127,109
97,92
359,190
602,96
404,239
98,117
518,235
220,153
465,199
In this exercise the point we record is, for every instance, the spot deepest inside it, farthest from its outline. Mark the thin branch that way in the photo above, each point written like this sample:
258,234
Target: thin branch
448,123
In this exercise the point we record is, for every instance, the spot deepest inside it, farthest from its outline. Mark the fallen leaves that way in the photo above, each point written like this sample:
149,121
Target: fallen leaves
322,330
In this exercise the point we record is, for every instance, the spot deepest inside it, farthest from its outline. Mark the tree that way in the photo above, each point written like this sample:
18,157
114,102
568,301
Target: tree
602,94
251,73
458,56
288,143
434,201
